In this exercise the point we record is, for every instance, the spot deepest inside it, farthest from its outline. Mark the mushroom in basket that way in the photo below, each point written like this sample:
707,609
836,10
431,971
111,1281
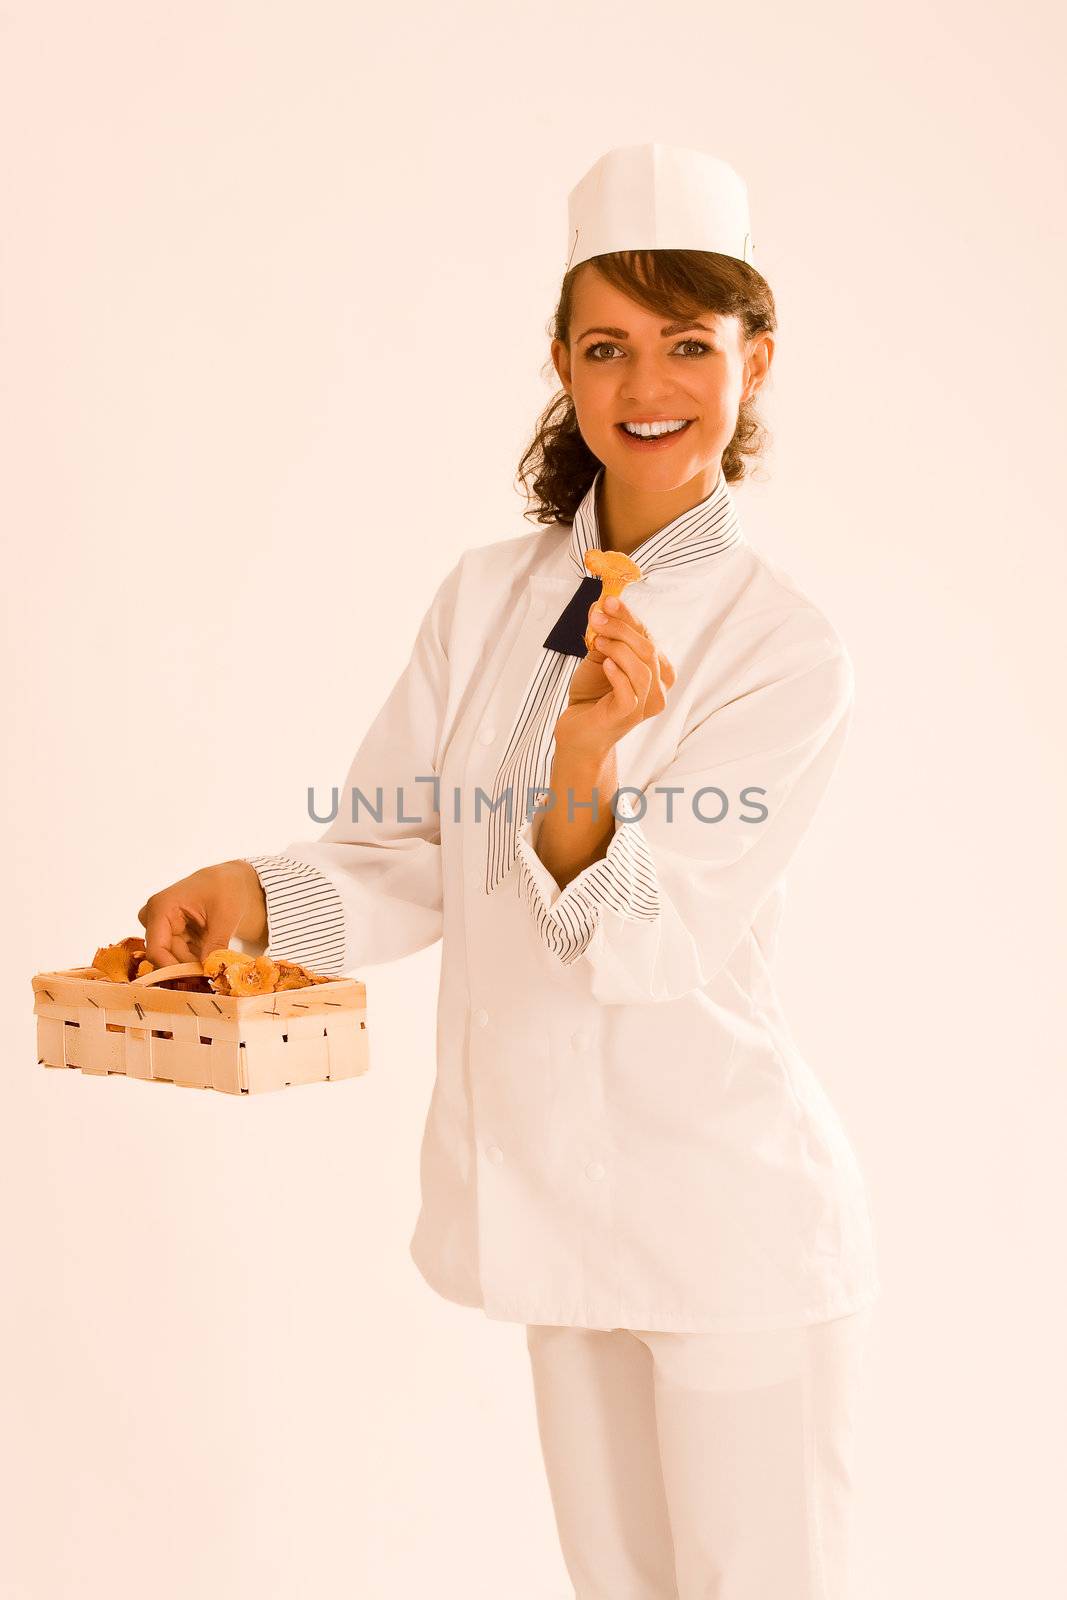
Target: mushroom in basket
229,972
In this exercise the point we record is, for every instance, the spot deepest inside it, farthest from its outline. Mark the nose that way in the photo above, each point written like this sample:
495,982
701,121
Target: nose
646,380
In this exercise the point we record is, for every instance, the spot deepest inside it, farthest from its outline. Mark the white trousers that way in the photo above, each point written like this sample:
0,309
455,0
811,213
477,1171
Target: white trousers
701,1466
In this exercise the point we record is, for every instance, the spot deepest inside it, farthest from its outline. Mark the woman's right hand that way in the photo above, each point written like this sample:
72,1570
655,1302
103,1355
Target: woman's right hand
203,912
619,683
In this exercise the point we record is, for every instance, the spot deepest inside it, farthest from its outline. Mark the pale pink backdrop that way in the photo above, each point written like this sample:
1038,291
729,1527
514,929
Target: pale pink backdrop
275,285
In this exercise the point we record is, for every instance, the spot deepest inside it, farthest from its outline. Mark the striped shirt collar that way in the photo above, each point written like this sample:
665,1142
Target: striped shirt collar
705,530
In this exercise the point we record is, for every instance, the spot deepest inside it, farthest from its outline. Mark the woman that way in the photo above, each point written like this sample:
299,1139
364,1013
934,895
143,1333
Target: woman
625,1151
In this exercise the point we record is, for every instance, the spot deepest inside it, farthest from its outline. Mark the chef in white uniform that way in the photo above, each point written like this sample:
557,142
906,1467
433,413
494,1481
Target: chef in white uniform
625,1149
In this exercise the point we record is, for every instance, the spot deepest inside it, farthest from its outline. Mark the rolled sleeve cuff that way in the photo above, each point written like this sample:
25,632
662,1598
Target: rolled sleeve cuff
305,914
623,882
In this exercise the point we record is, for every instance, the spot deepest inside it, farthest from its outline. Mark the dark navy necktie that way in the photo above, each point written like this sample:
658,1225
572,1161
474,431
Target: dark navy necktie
568,633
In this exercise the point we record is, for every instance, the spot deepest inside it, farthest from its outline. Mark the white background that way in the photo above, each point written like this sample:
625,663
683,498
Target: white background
275,288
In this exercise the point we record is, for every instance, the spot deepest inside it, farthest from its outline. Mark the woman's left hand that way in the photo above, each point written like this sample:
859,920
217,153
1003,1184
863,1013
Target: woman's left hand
619,684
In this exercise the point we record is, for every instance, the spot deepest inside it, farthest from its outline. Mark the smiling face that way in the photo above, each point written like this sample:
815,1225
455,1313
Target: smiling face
626,363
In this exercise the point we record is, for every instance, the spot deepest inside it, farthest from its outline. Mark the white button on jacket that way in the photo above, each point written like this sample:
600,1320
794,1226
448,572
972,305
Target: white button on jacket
622,1131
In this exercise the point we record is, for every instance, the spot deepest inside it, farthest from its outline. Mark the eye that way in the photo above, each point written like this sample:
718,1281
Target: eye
591,349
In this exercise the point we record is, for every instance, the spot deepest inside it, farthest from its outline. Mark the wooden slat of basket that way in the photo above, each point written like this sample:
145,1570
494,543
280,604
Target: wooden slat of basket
68,987
348,1046
138,1056
254,1043
90,1045
307,1050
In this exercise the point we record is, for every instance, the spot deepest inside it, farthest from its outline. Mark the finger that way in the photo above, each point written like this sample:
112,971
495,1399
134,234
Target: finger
620,610
160,945
640,641
623,625
183,948
623,618
643,677
655,657
638,673
623,691
617,610
206,930
216,936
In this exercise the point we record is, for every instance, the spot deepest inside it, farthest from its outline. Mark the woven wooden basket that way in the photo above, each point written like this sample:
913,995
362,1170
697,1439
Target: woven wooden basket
239,1044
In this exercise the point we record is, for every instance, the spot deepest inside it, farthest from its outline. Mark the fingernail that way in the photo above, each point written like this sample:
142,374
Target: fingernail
598,616
611,603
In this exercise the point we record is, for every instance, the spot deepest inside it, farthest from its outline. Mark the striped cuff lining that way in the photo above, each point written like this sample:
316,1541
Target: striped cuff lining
623,881
305,915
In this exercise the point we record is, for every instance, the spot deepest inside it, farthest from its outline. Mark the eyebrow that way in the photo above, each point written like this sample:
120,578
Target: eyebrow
672,327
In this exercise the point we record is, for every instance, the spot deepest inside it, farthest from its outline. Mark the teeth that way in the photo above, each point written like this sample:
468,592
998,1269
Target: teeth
650,430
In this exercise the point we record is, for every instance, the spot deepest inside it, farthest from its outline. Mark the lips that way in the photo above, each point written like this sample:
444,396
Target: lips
659,441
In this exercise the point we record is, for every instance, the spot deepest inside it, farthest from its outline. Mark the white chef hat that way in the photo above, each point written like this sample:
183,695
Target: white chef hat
658,197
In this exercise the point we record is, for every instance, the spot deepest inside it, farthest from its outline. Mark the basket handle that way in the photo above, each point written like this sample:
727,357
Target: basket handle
183,969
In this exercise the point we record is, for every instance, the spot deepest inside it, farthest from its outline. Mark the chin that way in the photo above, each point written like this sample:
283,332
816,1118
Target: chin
666,468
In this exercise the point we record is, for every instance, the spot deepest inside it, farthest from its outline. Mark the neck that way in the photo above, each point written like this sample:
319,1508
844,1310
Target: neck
626,516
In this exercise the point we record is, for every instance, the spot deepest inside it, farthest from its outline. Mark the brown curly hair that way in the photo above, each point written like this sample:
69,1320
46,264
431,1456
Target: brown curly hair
558,466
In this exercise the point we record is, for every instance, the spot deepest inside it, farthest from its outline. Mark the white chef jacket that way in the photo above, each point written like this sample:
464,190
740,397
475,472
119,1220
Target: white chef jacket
622,1131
